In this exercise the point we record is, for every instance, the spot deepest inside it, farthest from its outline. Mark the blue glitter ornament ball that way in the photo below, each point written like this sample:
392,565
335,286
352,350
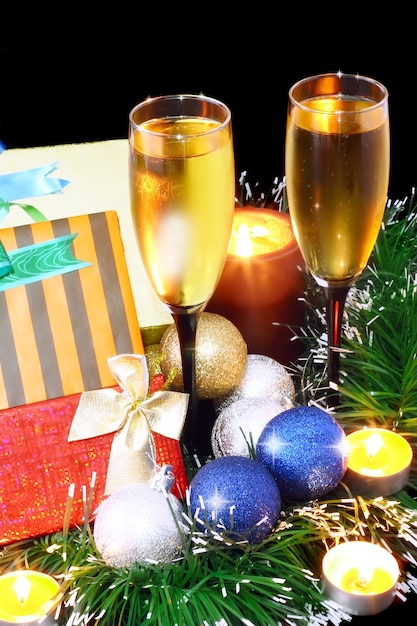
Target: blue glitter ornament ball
237,494
306,450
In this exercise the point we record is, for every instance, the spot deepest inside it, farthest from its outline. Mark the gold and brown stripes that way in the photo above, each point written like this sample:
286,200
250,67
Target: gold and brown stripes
57,334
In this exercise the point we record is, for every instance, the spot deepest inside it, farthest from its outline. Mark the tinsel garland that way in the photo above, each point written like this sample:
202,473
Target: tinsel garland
219,581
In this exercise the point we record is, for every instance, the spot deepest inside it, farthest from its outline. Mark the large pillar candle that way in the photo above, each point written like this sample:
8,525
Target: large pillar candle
262,285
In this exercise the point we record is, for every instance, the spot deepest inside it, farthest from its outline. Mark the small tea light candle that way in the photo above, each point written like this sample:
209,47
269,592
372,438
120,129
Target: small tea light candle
262,282
26,596
379,462
361,576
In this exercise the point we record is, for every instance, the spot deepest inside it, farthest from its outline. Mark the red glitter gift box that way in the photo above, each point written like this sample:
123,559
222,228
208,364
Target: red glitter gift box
66,307
38,466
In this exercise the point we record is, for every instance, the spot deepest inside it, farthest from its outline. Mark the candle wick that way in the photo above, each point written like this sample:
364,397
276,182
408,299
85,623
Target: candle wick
361,583
22,597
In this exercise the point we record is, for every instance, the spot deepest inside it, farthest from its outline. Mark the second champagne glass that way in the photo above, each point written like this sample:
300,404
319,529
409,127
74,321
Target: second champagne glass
337,159
182,182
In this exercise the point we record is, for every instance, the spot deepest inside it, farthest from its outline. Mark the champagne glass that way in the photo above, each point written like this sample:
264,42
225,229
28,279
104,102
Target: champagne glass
337,158
182,182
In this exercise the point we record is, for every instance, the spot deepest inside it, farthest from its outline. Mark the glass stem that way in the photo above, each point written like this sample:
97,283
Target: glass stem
335,298
186,325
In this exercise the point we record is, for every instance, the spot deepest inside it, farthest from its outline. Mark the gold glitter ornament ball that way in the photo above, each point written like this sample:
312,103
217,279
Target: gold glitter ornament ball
221,354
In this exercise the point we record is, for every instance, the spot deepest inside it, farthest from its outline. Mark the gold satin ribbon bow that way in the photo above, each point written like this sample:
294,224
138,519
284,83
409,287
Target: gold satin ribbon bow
132,416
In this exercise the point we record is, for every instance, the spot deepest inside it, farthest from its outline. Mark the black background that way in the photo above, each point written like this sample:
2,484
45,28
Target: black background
68,76
75,78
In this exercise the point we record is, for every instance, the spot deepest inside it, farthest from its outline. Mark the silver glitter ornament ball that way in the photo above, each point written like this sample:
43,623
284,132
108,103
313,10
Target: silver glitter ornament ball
263,377
136,525
237,428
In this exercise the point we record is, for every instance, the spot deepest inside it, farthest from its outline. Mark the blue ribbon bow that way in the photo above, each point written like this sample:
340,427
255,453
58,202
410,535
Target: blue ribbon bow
30,183
26,184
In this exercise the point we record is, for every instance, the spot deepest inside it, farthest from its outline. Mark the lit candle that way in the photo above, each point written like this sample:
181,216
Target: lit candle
361,576
262,284
26,596
379,462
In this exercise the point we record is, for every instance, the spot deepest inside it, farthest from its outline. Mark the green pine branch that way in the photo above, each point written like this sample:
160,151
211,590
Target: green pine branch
221,580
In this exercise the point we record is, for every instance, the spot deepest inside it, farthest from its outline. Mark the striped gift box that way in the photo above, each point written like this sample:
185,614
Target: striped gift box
66,308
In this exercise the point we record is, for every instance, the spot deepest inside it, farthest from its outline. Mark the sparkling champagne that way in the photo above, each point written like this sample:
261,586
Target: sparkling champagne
337,169
182,198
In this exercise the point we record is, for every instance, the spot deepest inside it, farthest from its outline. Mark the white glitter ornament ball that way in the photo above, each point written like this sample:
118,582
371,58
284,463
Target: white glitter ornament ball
263,377
238,427
220,356
136,525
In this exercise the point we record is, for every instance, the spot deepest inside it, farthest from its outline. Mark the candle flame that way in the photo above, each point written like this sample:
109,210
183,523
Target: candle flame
365,573
243,241
22,588
257,232
373,444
